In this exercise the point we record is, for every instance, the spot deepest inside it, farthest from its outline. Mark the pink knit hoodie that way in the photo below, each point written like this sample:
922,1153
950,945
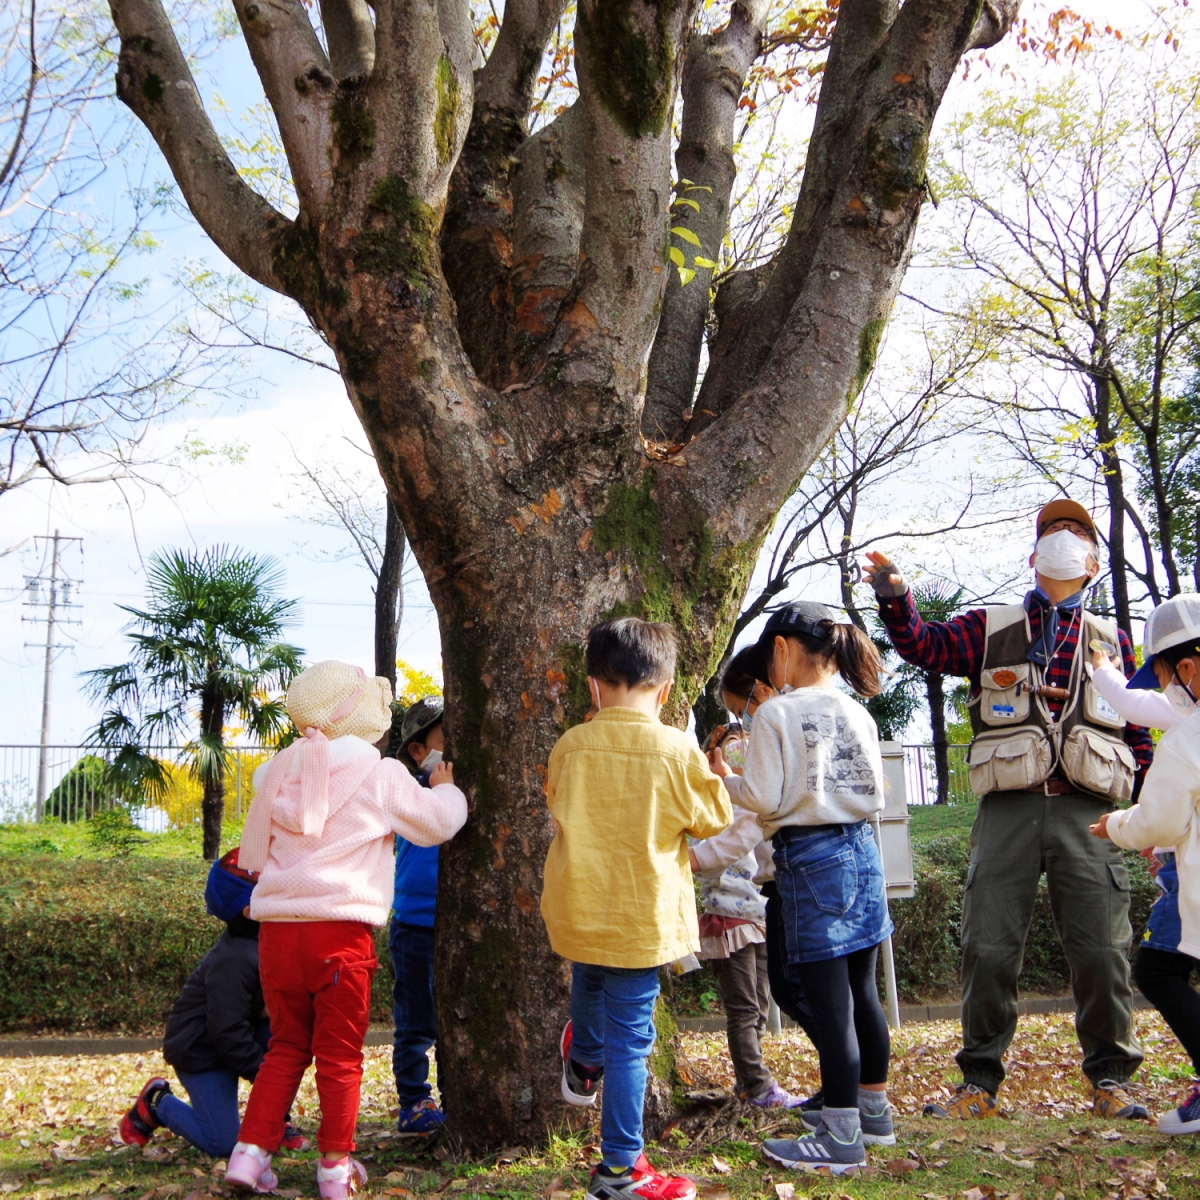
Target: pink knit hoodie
322,827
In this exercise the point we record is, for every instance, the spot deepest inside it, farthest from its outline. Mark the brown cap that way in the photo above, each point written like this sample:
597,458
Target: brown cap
1065,510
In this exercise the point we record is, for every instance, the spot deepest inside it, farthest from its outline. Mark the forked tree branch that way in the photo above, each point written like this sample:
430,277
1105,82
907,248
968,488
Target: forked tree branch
154,81
748,461
299,86
504,85
713,78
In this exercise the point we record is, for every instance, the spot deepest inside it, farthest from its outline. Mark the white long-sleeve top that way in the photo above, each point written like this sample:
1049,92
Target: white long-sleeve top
1166,815
1138,707
813,759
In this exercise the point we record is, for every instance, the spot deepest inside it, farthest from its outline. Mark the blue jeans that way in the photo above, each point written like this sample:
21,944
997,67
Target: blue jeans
211,1121
411,950
612,1026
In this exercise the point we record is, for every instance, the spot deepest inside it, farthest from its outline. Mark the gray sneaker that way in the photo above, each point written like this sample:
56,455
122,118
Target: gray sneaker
818,1150
876,1130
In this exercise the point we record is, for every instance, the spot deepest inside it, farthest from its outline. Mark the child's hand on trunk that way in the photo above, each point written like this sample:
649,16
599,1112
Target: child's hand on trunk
443,772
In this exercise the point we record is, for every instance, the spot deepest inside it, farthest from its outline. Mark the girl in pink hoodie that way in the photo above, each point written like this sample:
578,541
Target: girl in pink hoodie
320,831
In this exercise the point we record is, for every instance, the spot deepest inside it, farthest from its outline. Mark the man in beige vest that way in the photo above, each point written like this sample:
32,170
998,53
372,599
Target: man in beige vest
1048,757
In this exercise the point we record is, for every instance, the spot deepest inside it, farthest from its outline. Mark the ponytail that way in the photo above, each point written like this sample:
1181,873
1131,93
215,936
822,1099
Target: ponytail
852,652
858,661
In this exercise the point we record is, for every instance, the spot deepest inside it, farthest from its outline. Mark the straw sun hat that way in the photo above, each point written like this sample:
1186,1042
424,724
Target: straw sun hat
340,700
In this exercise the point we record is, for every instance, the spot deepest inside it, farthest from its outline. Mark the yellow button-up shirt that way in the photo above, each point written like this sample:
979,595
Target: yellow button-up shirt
626,791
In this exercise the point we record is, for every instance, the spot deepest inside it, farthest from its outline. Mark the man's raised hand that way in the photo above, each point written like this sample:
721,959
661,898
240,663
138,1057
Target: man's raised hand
883,575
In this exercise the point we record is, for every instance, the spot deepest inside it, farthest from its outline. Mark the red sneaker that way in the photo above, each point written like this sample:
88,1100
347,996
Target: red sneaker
294,1139
140,1122
640,1180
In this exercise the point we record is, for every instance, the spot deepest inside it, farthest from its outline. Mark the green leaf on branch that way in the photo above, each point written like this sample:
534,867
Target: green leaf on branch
676,256
686,234
686,275
701,261
690,203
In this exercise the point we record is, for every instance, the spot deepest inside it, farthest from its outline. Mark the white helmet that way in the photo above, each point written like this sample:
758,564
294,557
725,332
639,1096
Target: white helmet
1175,622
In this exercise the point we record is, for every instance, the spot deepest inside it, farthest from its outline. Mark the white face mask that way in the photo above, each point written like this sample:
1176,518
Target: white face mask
1062,555
1179,696
431,760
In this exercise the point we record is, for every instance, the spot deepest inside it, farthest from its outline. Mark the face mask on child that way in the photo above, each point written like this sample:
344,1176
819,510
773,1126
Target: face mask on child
735,753
431,760
1180,696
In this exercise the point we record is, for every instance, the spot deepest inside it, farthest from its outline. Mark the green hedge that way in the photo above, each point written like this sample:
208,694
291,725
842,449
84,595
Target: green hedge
928,925
97,945
106,945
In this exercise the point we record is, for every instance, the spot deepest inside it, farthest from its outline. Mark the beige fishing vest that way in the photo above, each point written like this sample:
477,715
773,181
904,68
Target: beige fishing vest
1017,743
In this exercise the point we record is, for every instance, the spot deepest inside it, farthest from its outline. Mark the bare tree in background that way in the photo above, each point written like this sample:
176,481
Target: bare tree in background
83,371
355,503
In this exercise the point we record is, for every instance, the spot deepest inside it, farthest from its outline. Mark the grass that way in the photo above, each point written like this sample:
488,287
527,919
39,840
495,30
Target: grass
72,840
933,820
58,1116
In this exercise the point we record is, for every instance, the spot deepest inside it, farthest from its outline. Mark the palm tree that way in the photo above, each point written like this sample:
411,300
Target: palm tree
209,636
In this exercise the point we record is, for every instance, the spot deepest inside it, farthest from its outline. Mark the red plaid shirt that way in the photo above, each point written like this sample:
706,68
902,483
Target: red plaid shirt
955,647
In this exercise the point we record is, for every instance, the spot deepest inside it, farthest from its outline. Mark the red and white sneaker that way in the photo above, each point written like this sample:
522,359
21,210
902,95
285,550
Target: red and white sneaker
640,1180
140,1122
294,1139
249,1169
579,1083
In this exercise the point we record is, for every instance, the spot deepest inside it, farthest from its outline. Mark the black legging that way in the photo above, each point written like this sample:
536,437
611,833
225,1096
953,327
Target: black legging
847,1022
1163,978
785,991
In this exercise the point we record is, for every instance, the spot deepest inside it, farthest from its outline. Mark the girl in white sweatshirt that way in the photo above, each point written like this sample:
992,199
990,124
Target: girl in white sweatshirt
814,775
1166,815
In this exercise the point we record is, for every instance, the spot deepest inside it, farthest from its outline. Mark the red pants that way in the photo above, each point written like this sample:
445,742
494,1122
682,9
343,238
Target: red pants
316,979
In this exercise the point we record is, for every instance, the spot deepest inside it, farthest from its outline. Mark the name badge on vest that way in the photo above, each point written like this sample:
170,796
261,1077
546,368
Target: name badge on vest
1003,712
1104,709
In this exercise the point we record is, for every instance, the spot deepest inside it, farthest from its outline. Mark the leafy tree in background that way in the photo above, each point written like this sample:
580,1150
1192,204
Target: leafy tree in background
1077,206
204,650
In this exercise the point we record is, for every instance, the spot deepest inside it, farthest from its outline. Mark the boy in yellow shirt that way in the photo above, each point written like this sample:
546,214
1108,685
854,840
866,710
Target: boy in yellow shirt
626,791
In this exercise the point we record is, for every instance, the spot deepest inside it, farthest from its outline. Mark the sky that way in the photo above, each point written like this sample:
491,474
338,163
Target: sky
251,503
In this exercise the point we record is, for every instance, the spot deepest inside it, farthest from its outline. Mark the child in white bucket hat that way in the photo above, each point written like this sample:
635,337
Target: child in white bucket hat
320,832
1167,814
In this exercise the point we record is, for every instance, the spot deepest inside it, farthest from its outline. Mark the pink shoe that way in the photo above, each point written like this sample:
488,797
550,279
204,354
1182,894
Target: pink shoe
249,1169
341,1180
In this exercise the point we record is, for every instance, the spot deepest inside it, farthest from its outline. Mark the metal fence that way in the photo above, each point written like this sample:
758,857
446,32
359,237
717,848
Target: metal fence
921,773
75,787
76,790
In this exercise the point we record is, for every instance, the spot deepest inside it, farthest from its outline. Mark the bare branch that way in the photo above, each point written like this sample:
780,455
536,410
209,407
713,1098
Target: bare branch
299,85
156,84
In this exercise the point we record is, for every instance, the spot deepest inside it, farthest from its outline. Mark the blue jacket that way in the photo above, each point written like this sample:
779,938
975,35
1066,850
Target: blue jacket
415,899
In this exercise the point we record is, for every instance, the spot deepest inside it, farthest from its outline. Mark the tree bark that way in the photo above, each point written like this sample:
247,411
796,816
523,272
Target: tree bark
1114,485
212,807
389,596
935,693
514,455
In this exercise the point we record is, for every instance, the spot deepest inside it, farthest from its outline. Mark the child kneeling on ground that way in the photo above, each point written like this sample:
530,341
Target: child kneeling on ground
625,792
216,1034
320,831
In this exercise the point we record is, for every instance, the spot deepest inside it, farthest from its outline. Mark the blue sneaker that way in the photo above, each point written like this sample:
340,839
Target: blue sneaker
1186,1118
420,1119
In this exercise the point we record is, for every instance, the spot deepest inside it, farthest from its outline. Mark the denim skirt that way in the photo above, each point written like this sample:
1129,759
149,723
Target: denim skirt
831,890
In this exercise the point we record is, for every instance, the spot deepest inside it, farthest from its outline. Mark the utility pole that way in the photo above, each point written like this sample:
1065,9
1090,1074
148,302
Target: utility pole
58,596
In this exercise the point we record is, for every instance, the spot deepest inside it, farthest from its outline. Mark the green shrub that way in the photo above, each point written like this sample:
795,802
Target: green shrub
85,788
113,833
929,926
91,945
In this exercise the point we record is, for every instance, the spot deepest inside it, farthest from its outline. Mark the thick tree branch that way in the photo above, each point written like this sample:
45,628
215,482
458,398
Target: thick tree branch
626,116
154,81
350,33
826,344
504,86
713,78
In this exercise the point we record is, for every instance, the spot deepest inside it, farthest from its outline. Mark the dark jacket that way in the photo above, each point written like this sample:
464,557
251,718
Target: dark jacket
219,1021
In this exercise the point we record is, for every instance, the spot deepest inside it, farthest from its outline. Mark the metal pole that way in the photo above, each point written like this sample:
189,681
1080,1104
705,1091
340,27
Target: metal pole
774,1018
39,811
889,984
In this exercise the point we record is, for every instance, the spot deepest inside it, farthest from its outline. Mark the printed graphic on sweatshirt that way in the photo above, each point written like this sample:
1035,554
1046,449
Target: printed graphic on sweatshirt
837,760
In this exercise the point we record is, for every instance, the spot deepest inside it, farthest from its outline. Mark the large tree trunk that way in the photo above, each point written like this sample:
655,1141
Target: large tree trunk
212,807
493,299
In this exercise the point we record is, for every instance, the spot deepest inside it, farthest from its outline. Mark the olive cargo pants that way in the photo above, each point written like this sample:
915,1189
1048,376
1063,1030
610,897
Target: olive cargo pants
1016,837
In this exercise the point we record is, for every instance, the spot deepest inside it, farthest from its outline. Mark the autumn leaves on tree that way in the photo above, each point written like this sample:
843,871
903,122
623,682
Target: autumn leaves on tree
522,352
